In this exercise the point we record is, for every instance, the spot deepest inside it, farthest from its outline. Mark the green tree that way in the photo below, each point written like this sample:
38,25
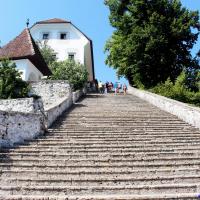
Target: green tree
11,83
75,73
152,40
47,52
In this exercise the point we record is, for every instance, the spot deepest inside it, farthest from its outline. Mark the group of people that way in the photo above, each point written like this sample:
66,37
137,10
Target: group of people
107,87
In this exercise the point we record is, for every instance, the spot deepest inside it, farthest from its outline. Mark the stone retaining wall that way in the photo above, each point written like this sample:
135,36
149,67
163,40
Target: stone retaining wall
55,111
78,94
185,112
25,118
25,105
15,127
51,92
56,97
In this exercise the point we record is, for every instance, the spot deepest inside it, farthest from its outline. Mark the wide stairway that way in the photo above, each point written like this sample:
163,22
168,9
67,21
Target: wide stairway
106,148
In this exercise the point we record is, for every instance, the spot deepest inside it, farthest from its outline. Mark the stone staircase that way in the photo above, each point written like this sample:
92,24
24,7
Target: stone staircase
106,148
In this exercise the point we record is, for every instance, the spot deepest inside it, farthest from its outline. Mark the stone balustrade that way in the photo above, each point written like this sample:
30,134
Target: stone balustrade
187,113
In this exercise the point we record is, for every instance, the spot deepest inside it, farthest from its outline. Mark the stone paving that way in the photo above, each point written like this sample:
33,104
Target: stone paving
110,148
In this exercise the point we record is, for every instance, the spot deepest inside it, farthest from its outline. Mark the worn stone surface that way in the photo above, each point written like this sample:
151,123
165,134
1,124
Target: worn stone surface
55,111
25,105
56,97
189,114
51,92
107,147
15,127
76,95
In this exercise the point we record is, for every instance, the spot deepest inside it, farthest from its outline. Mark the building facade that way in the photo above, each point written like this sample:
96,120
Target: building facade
67,41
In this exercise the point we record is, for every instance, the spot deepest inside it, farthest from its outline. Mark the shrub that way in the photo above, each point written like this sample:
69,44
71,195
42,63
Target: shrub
11,83
75,73
164,89
178,90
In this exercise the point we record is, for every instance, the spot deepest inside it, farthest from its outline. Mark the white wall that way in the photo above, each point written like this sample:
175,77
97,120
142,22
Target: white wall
75,42
32,69
22,66
28,70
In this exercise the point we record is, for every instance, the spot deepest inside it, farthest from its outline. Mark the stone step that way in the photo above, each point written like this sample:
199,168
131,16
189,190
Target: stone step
116,147
97,139
100,181
125,125
102,163
130,165
96,172
124,122
104,159
108,140
110,137
127,113
153,155
114,130
139,127
100,190
116,150
122,117
115,144
136,134
189,196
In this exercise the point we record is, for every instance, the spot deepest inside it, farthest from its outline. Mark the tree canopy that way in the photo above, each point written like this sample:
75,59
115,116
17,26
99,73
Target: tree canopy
152,40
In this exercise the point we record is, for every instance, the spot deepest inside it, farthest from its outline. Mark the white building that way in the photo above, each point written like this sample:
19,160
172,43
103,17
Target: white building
27,57
67,41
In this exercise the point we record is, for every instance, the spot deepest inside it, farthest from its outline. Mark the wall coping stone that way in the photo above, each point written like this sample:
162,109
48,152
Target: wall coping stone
21,113
183,111
26,105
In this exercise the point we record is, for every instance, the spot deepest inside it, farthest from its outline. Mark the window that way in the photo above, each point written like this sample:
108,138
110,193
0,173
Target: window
71,56
54,56
63,36
45,36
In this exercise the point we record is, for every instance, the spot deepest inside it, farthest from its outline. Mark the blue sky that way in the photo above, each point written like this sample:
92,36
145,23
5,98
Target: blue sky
91,16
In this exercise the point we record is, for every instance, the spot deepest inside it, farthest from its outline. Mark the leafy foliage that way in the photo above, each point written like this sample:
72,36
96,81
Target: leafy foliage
11,84
47,52
152,40
178,90
75,73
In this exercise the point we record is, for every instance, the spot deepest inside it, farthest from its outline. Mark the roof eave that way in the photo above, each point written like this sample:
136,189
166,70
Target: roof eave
39,23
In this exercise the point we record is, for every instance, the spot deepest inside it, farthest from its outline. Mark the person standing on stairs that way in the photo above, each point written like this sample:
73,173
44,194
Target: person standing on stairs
124,88
116,87
100,85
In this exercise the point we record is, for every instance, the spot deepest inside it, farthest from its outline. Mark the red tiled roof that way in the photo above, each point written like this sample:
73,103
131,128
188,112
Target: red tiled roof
52,21
24,47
